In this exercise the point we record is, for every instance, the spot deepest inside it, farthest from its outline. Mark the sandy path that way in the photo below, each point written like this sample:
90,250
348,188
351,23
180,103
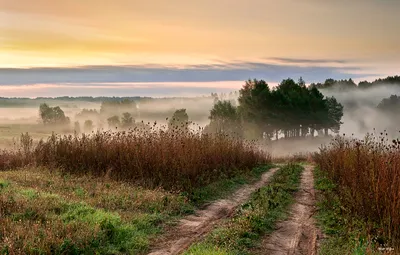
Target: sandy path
297,234
193,227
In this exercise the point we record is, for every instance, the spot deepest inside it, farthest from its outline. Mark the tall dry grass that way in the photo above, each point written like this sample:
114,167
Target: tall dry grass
175,160
367,174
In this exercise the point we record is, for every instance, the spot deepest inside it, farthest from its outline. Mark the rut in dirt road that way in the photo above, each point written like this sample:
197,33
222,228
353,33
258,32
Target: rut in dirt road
193,227
298,234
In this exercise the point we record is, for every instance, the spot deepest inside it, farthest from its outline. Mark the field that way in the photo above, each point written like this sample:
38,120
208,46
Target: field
179,190
66,195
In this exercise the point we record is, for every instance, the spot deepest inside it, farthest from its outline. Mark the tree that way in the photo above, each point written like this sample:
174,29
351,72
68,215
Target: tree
88,126
127,120
224,118
179,121
77,127
117,107
113,121
335,114
390,104
254,107
52,115
87,114
290,108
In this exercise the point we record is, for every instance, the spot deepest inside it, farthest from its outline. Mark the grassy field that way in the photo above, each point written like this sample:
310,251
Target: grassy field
112,193
362,181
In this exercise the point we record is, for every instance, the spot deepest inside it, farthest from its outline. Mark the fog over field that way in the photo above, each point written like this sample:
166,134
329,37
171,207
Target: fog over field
360,112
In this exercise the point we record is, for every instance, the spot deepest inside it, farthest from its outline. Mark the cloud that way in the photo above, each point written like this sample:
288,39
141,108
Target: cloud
310,61
118,89
237,71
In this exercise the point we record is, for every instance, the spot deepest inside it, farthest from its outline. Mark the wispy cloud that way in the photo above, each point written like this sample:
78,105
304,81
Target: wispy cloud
238,71
310,61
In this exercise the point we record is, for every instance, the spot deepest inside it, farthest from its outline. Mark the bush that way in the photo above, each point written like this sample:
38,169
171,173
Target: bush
172,160
367,175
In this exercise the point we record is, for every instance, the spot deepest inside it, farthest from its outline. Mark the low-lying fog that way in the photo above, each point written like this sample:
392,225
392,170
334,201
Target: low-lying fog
360,114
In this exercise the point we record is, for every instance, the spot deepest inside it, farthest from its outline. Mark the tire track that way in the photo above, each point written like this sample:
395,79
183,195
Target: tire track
297,234
193,227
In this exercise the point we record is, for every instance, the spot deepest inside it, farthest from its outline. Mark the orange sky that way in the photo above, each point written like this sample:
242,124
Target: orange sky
116,32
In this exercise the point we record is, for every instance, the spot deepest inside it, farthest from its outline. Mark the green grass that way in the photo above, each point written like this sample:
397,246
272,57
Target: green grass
224,187
255,218
49,212
344,234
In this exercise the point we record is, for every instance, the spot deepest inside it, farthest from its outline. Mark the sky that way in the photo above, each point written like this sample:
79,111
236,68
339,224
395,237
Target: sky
158,47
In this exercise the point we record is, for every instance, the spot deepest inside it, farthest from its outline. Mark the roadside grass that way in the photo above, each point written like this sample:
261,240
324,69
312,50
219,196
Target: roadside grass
343,234
255,218
48,212
226,186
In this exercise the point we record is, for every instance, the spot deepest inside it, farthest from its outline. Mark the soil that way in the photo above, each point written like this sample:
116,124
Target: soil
194,227
298,233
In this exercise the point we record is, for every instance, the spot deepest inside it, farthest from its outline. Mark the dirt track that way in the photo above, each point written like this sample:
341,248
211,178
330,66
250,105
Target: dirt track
193,227
297,234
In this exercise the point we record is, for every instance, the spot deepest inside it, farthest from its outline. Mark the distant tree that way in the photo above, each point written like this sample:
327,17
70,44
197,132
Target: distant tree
390,105
127,120
335,114
290,109
117,107
224,118
113,121
88,126
87,114
46,113
389,109
52,115
179,121
77,127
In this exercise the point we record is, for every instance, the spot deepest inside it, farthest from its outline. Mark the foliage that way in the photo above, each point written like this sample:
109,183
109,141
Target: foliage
367,176
111,108
291,108
224,118
390,105
52,115
179,121
113,121
87,114
88,126
77,127
127,120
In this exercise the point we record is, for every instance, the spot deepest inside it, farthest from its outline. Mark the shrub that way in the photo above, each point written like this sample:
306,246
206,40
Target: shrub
367,174
175,160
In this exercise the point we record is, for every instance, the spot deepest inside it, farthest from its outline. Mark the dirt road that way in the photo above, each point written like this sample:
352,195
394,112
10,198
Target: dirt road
193,227
297,234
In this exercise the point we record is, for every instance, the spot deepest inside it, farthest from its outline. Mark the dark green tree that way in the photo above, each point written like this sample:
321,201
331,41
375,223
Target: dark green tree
88,126
52,115
127,120
113,121
179,121
224,118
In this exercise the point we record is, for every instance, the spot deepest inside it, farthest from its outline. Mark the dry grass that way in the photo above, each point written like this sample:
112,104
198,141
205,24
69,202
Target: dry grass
367,175
173,160
44,212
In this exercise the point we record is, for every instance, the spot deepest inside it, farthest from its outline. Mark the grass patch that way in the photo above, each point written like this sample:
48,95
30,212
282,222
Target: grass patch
344,234
255,218
226,186
47,212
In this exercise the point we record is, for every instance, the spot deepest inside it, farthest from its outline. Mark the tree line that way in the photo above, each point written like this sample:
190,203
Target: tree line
290,110
351,85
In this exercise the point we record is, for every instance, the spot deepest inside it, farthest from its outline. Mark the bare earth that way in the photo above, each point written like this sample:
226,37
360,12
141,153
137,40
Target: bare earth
193,227
297,234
